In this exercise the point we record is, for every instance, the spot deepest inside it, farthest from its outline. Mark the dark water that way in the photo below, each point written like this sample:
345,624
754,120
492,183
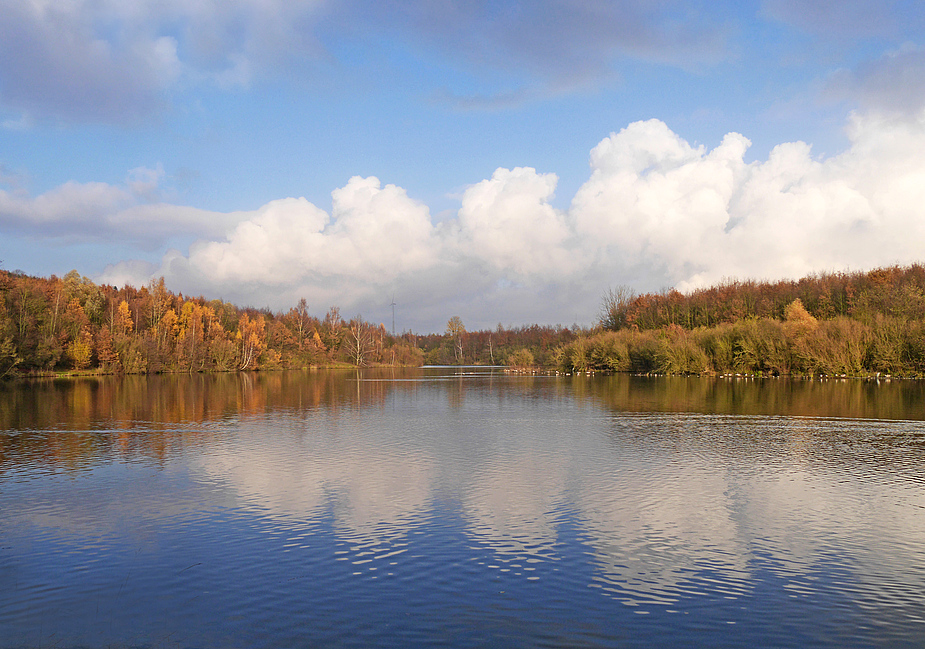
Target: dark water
461,508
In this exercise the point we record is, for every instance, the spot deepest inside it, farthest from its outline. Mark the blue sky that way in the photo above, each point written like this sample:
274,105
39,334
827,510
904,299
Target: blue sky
506,162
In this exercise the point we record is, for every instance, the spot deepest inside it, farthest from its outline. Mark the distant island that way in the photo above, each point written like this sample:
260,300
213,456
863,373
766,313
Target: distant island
830,324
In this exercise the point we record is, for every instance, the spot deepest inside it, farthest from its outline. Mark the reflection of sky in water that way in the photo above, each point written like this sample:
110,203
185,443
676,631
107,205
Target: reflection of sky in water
299,468
660,499
489,487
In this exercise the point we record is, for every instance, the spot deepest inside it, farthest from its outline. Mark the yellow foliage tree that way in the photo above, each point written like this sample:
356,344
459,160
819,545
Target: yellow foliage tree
124,324
250,339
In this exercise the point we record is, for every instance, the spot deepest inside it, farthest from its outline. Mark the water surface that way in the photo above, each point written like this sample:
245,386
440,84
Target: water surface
461,508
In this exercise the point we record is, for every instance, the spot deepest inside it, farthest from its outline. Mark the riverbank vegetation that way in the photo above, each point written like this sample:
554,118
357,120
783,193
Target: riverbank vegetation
851,324
70,324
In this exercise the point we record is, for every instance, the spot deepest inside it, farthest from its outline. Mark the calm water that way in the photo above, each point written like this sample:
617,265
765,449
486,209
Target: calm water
461,508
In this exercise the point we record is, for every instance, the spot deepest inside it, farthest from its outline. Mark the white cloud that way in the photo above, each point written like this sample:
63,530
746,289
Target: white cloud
374,235
656,211
100,211
702,216
507,223
133,272
651,194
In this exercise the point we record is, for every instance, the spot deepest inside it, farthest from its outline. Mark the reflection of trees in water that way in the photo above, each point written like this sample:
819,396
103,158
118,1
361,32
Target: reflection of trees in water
73,422
662,495
149,415
850,398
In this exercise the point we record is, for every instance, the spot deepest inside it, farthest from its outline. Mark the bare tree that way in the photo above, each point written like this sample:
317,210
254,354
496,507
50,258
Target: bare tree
456,330
360,339
615,307
300,316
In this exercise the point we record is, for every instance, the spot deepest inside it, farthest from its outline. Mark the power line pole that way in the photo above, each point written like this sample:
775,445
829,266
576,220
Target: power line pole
393,315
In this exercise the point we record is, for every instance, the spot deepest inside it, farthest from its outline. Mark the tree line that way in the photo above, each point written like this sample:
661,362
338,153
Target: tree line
71,324
851,324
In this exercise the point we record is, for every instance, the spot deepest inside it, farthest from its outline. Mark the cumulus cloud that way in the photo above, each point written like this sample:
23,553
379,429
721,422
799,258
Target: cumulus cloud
703,215
507,223
654,207
374,236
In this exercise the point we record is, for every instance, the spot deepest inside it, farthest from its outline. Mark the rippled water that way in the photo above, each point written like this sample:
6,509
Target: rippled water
463,508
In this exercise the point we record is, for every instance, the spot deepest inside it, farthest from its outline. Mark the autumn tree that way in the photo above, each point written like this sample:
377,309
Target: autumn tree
332,330
9,358
456,331
615,307
79,334
222,349
250,339
123,324
191,348
359,340
158,301
87,294
300,322
281,345
105,352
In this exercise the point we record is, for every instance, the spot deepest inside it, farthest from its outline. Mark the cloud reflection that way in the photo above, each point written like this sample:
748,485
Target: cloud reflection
372,491
668,504
512,505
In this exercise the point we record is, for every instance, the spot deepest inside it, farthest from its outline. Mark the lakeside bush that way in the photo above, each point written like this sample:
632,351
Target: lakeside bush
852,324
840,346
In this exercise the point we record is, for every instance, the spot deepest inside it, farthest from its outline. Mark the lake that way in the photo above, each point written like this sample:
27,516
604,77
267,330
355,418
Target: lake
461,507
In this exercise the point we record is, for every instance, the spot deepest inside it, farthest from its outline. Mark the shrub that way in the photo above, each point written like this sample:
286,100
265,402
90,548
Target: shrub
521,358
